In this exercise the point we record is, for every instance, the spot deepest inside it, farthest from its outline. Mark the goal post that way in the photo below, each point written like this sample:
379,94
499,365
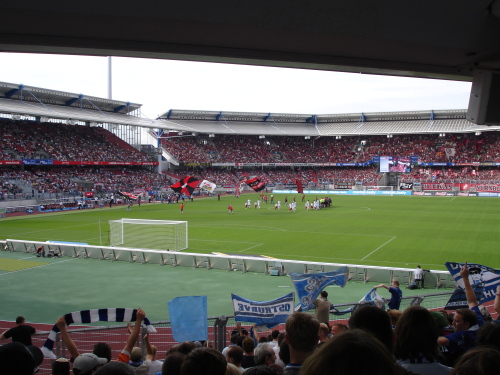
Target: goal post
149,234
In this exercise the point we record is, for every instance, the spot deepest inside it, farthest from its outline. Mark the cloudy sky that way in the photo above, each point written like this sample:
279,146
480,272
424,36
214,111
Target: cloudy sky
161,85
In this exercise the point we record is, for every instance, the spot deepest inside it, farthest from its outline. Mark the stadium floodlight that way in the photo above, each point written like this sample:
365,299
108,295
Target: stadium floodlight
149,234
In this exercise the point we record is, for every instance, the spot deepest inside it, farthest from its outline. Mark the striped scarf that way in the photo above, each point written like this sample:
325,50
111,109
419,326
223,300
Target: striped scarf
91,316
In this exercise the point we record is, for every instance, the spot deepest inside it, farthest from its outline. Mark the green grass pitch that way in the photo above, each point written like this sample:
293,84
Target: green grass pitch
400,231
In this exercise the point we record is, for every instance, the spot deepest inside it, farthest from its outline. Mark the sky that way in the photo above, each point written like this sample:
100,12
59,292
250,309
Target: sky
161,85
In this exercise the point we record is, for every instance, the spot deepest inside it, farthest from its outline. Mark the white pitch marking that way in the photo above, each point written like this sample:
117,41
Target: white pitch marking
385,243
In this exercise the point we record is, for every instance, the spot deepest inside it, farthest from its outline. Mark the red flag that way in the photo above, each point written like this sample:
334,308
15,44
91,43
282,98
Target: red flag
300,189
256,184
186,185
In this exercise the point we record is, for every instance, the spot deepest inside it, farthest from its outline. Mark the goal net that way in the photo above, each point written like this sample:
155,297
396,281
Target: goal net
149,234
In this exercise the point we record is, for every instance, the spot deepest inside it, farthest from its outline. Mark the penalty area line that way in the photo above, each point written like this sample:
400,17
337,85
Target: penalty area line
385,243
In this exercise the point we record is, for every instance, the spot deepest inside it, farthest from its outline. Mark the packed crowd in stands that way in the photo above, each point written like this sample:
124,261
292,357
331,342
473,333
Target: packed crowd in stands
457,148
32,140
27,139
375,341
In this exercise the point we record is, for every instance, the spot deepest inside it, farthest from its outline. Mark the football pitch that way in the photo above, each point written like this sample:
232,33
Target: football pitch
400,231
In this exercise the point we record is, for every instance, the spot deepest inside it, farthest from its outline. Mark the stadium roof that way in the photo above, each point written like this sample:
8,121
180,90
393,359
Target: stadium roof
426,38
20,100
70,100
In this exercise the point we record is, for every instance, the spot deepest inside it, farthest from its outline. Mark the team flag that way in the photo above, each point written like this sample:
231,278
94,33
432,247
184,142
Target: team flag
300,188
207,185
268,313
186,185
256,184
188,318
127,195
484,281
310,285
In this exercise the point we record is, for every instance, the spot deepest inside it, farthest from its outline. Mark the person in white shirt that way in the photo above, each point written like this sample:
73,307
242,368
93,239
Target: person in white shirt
418,274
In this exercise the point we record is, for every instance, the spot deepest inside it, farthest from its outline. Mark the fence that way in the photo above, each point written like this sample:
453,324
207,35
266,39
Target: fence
278,267
219,331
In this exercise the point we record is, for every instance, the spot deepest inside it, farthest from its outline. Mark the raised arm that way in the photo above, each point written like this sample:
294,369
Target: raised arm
68,341
497,301
149,348
469,292
382,286
132,339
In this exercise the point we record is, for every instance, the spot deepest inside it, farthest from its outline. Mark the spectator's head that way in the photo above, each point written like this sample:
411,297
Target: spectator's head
489,334
324,331
136,356
275,334
353,352
186,347
302,332
281,337
234,355
416,335
284,352
16,358
20,319
116,368
61,367
102,350
248,345
264,354
394,316
207,361
338,328
87,363
173,362
262,370
464,319
324,294
395,284
374,320
479,360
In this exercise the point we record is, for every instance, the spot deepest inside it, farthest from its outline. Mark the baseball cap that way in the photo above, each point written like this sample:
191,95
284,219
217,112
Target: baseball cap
87,362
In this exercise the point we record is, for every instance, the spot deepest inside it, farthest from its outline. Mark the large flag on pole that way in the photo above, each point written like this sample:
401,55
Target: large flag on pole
268,313
207,185
186,185
300,188
310,285
256,184
484,281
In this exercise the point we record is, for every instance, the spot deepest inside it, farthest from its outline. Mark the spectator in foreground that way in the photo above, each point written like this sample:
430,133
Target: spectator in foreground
301,336
466,324
374,320
416,346
352,352
483,360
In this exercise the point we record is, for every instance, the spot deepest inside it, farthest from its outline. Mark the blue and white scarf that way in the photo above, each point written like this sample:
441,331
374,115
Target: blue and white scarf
91,316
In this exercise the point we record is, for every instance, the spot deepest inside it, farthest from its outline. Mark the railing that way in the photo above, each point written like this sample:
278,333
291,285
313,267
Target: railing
279,267
219,331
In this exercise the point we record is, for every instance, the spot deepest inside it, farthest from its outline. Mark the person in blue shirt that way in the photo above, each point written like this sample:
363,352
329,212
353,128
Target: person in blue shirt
396,294
466,323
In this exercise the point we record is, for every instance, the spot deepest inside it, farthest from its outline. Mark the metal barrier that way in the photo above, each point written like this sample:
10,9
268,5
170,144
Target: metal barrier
433,279
219,331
